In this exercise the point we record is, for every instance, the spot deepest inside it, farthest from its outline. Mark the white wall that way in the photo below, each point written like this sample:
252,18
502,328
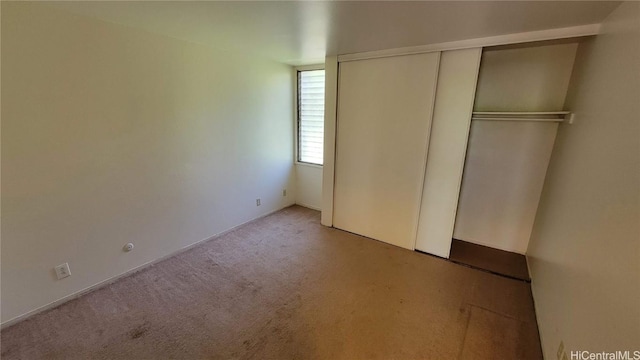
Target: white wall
506,161
111,135
309,186
503,178
526,77
585,247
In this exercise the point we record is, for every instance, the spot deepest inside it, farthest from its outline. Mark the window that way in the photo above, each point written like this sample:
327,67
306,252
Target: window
310,116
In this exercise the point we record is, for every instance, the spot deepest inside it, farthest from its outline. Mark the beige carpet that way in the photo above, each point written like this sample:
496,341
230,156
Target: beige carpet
284,287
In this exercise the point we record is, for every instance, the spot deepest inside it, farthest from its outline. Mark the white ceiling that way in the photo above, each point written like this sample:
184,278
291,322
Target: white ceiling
303,32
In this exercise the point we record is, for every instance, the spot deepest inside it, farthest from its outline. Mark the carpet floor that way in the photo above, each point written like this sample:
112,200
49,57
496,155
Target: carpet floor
285,287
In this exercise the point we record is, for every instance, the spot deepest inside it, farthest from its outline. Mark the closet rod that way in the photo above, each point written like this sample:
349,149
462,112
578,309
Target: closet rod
533,116
517,119
521,113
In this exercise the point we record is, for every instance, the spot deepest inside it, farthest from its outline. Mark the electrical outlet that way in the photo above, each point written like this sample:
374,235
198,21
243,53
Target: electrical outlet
62,271
257,202
284,192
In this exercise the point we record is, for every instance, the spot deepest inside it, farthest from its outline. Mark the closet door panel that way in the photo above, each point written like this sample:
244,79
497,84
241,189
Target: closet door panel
384,118
457,79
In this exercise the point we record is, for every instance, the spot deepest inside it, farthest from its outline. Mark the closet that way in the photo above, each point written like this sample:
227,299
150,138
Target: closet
508,153
446,145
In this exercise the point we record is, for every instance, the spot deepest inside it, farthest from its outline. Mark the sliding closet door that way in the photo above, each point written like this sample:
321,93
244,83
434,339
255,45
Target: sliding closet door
457,79
384,118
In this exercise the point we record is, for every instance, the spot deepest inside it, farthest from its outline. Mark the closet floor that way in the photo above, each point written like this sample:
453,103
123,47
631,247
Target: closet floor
493,260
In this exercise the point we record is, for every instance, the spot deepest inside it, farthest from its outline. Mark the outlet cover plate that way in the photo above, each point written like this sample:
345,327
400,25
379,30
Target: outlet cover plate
63,271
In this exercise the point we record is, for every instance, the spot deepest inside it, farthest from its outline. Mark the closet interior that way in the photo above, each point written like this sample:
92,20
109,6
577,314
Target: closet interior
519,105
446,152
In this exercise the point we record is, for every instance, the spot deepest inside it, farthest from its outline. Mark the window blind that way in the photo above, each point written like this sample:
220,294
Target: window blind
310,116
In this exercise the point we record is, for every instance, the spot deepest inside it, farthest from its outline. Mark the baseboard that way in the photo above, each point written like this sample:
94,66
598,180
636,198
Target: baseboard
535,306
136,269
309,206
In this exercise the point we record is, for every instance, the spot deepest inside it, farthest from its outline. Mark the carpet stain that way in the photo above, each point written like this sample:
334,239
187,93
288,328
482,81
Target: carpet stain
138,332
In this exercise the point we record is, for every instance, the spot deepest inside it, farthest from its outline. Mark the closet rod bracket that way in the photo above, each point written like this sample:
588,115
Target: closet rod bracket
570,118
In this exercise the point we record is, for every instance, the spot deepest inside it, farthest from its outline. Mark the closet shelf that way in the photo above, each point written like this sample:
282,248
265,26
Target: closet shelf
539,116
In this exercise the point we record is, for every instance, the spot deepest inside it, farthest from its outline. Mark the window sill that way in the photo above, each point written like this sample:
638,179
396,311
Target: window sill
308,164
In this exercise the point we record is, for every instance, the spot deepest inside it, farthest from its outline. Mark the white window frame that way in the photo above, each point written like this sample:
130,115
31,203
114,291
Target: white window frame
296,118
